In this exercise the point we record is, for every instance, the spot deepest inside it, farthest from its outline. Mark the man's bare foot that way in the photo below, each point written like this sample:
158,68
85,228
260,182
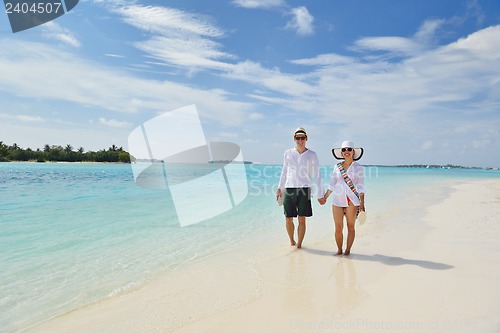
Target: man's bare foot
292,242
339,253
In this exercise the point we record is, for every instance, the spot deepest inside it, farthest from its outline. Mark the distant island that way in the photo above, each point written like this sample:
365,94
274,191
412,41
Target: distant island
55,153
429,166
229,161
155,160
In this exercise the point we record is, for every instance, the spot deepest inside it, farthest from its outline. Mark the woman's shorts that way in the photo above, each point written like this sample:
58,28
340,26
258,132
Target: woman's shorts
297,201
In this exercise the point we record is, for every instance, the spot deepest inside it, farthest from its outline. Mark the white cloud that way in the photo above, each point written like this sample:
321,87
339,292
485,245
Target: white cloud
23,118
272,79
259,3
427,31
114,55
421,41
451,73
52,73
228,134
301,21
251,141
30,118
256,116
52,30
462,129
35,136
392,44
481,144
114,123
324,60
177,38
187,41
165,21
427,145
475,10
194,52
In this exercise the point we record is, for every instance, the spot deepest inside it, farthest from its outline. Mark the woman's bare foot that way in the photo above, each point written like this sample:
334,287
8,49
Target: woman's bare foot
347,252
292,242
299,245
339,253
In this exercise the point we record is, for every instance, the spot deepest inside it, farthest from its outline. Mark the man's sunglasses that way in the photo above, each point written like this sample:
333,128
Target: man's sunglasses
300,137
348,149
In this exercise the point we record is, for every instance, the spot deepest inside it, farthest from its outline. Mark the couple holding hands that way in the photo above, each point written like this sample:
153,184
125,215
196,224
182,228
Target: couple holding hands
346,188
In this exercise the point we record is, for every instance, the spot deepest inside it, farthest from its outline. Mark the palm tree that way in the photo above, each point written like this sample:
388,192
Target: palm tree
3,150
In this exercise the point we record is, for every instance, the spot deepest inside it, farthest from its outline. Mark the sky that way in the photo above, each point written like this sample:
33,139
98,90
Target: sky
410,81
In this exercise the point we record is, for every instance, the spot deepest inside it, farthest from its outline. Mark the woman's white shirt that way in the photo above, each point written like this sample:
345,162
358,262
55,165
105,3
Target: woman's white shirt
340,190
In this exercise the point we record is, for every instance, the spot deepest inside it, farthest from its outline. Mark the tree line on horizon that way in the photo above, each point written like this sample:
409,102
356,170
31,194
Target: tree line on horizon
56,153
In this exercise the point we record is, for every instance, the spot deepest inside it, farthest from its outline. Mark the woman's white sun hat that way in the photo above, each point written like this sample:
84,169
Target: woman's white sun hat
337,152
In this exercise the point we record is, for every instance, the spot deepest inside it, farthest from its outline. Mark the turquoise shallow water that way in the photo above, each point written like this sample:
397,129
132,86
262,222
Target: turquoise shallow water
72,234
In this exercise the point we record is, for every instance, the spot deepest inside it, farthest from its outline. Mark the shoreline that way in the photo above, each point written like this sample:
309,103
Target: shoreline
65,162
281,288
416,166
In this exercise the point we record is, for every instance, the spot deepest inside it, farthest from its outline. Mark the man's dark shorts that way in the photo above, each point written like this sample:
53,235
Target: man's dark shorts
297,201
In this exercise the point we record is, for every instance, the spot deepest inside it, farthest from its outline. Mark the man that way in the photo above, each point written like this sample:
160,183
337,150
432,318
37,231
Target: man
300,166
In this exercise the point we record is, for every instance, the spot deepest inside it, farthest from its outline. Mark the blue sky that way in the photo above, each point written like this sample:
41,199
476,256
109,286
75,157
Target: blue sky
409,81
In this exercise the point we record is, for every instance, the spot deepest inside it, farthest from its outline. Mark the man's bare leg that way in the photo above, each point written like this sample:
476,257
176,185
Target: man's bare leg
301,232
290,229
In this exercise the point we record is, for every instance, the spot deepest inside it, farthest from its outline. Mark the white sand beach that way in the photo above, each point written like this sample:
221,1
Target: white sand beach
439,273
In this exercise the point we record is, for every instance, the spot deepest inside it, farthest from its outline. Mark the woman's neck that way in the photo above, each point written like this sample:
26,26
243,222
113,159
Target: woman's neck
347,163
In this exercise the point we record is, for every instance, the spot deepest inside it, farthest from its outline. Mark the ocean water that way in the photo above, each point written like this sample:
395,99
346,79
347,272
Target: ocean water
72,234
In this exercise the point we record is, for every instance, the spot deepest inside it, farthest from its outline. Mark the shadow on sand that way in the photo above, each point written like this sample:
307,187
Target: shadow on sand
387,260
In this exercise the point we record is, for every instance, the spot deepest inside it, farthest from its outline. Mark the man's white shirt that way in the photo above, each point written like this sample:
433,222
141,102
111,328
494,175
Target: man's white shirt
299,170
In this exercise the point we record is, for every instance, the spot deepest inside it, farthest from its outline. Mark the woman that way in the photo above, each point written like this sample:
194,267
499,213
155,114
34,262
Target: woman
347,186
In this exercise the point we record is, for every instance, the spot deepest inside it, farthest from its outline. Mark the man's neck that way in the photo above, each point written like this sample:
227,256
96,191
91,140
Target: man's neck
300,149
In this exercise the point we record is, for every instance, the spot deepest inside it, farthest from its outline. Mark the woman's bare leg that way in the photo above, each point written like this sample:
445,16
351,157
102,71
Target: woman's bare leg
351,232
338,219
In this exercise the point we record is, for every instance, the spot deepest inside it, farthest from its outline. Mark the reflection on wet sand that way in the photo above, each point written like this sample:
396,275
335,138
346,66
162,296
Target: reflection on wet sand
348,292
